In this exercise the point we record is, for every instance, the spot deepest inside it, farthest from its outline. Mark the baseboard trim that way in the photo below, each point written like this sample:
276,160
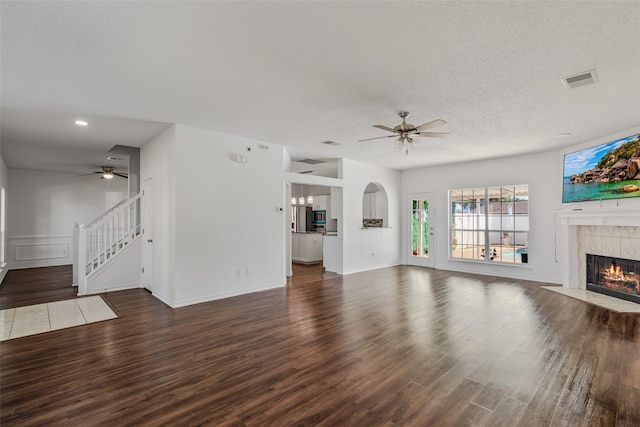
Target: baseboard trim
112,289
224,295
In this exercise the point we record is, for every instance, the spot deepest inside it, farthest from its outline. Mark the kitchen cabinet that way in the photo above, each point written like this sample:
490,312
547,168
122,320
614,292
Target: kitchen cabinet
373,206
320,203
369,208
306,247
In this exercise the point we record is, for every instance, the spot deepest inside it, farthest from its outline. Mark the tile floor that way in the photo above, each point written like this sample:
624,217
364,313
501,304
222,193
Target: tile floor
35,319
605,301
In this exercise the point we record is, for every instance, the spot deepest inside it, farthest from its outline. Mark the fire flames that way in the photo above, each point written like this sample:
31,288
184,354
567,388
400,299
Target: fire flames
615,278
616,271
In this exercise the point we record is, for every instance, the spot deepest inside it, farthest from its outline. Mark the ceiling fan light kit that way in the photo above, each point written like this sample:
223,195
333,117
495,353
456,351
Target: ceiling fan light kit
405,131
108,172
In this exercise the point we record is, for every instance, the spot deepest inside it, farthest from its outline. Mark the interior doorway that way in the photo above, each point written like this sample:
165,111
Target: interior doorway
308,274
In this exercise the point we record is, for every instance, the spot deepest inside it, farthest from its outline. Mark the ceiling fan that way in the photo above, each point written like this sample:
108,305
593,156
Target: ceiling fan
108,172
406,131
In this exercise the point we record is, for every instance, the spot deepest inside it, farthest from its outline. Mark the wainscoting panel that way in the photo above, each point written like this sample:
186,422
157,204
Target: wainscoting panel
39,251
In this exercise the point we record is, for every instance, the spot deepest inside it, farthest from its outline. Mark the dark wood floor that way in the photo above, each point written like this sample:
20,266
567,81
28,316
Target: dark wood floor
36,285
390,347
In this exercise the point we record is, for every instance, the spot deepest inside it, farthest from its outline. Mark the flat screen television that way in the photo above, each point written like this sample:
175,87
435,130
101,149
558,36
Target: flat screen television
606,171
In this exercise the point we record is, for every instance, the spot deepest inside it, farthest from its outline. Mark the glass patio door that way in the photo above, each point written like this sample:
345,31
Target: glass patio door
421,229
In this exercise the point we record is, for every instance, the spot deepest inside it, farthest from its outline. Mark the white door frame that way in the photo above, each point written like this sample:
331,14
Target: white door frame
148,225
428,261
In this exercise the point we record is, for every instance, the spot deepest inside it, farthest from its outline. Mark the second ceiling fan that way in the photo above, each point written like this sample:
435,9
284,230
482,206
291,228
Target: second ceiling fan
406,131
108,172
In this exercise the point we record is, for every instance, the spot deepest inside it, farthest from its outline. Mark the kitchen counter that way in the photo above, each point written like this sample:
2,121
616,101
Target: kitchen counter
326,233
306,246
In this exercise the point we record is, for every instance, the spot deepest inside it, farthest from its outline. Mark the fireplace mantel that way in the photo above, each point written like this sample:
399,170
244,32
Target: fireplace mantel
629,217
569,219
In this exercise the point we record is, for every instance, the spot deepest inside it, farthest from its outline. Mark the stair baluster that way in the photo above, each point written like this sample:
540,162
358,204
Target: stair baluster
103,238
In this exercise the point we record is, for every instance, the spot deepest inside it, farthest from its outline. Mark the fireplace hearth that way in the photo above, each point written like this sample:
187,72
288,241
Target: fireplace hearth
616,277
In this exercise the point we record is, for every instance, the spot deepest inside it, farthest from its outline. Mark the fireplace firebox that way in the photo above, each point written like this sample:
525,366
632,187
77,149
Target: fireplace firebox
616,277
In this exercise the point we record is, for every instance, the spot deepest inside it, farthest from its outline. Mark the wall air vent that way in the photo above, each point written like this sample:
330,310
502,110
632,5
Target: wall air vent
310,161
581,79
239,158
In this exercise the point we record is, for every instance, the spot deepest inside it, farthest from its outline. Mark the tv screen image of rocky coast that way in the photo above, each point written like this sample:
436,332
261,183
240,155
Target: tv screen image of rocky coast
606,171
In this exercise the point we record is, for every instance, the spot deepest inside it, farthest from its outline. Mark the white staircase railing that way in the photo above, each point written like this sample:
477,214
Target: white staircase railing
98,242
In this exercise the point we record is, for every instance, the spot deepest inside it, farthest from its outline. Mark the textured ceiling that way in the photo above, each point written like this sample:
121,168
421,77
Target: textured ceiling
299,73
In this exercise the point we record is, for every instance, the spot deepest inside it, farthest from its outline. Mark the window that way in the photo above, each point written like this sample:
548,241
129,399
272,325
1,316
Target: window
490,224
420,227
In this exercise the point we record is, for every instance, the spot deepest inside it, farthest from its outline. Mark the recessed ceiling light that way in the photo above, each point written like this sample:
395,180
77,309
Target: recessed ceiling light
563,135
82,123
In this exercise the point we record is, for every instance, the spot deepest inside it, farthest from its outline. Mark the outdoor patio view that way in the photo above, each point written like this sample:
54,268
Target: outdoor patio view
420,227
490,224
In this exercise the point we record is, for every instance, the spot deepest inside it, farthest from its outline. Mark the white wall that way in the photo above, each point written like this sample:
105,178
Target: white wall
42,208
222,219
542,172
366,249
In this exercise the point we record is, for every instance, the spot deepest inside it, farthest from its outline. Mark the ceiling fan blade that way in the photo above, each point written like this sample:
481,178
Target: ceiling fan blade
122,175
431,134
383,127
377,137
431,124
88,174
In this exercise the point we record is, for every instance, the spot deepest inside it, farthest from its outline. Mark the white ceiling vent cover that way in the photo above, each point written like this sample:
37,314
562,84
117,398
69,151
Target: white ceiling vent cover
582,79
310,161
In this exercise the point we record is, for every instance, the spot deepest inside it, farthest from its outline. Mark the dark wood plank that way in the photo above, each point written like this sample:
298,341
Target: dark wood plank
37,285
394,346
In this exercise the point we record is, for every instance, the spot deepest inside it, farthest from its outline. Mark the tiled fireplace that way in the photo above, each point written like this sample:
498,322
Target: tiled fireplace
608,232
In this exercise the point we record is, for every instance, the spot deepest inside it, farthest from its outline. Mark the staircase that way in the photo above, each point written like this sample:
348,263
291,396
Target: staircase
103,242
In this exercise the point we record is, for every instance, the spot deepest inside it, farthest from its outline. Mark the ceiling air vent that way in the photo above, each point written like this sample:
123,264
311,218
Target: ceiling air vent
310,161
581,79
